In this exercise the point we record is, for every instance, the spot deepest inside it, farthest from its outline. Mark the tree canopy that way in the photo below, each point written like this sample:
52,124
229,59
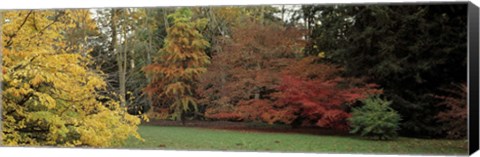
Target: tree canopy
49,94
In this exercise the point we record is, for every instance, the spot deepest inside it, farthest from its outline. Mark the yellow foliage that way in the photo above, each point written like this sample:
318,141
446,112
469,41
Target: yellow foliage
321,54
50,94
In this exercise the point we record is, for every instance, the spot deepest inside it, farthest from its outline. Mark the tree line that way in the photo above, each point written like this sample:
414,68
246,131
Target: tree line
69,73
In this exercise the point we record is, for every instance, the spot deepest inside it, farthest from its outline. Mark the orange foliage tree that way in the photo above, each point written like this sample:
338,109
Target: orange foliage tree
175,72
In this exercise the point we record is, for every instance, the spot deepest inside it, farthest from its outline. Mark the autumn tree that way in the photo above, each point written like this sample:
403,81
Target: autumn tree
262,75
49,92
246,66
318,94
175,73
145,42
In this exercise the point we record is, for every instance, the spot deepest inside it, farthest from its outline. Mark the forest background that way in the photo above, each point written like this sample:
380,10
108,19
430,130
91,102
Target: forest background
87,77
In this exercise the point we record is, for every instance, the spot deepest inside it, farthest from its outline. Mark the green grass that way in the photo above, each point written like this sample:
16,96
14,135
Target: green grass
187,138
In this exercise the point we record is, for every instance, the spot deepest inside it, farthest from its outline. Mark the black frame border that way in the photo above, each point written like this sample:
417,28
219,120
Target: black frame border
473,79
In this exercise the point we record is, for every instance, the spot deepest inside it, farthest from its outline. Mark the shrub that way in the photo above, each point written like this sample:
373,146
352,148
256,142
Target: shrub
375,119
455,116
314,93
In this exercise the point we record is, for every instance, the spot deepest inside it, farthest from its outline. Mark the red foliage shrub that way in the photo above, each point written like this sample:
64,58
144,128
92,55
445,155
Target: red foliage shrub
455,116
320,94
316,95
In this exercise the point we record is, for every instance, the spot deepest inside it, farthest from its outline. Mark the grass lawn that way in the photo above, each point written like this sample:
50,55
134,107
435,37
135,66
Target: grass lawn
189,138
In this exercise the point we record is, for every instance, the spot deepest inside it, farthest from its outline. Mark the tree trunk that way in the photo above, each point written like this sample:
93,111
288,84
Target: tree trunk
150,39
215,23
296,123
122,80
84,48
120,57
182,117
165,19
114,31
258,89
257,95
122,67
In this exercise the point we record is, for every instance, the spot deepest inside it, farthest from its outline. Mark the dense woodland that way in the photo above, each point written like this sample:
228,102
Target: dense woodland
90,77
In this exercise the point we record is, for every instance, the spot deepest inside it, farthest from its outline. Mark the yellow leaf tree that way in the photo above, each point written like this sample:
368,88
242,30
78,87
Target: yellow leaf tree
176,71
49,93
